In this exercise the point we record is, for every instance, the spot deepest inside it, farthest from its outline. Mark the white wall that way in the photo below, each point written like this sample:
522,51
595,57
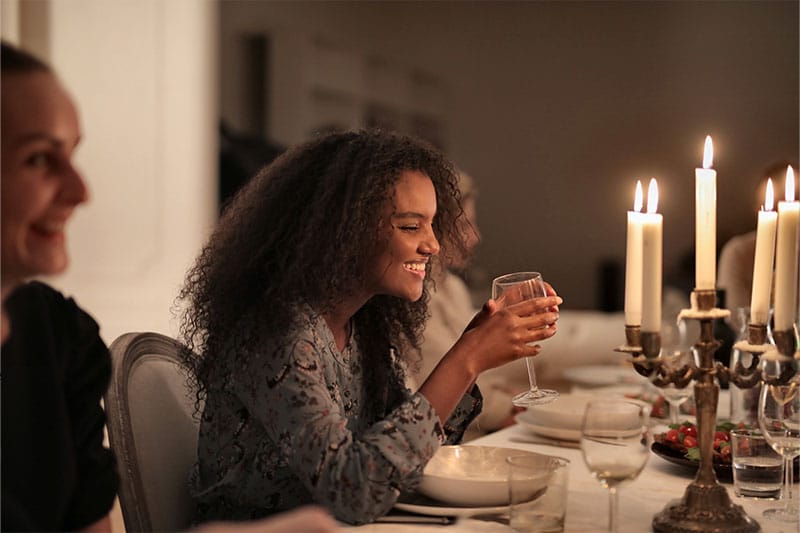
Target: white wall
143,73
557,107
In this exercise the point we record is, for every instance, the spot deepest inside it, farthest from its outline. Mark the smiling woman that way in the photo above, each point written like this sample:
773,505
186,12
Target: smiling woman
57,473
55,366
299,307
40,134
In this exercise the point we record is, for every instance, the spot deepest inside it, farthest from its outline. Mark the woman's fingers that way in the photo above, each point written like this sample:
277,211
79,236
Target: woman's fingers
541,333
551,292
489,308
535,305
549,289
540,320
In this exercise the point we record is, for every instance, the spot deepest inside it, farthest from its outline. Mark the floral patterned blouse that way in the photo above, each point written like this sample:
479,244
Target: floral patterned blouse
289,434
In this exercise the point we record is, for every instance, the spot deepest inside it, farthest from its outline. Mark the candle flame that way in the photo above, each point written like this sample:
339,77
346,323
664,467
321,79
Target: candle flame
708,153
769,199
652,196
638,201
789,184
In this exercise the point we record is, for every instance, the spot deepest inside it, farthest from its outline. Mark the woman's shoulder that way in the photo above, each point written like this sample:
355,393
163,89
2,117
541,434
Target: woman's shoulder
39,312
35,300
34,292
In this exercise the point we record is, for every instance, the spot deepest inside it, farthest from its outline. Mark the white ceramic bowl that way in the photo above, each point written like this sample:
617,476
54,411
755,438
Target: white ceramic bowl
476,476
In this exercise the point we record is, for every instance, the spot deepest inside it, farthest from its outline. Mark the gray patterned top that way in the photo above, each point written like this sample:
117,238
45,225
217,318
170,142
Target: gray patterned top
289,433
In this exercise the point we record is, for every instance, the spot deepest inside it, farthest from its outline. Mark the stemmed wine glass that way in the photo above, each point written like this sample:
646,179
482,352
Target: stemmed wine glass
779,420
675,396
515,288
615,443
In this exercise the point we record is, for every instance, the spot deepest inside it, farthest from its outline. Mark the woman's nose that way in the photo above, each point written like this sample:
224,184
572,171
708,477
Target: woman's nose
75,190
430,245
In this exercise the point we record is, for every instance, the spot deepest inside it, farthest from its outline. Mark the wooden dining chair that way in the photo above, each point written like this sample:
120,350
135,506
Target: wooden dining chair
152,431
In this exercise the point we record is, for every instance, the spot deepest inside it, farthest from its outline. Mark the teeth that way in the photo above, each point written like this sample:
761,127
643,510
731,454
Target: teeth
417,267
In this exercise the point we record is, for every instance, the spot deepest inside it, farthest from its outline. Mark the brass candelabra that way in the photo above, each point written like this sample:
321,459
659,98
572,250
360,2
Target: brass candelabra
706,505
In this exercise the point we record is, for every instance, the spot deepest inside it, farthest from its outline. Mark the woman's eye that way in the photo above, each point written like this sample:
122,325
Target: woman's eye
38,159
409,228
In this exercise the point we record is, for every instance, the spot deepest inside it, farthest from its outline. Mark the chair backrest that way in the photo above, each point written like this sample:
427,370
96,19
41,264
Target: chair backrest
152,432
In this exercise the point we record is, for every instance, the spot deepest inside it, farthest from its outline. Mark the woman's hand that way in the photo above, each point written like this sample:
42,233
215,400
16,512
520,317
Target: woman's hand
500,334
492,306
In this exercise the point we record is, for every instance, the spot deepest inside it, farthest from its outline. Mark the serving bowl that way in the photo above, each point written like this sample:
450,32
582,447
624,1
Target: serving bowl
477,476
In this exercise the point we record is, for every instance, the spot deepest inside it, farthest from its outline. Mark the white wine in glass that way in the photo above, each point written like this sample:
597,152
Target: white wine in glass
615,443
515,288
779,420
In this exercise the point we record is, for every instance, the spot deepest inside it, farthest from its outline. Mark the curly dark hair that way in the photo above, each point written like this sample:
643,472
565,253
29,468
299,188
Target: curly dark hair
305,229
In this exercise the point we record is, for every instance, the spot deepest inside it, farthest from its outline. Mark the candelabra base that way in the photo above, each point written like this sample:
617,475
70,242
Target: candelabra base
704,508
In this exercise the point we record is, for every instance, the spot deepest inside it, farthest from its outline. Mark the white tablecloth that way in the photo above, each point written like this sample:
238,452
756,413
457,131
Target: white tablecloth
587,508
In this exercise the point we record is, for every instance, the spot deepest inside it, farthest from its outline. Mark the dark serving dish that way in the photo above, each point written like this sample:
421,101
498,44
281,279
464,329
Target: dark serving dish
724,471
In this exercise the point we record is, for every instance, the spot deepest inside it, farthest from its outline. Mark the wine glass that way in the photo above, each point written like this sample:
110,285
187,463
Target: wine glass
515,288
779,420
615,443
675,396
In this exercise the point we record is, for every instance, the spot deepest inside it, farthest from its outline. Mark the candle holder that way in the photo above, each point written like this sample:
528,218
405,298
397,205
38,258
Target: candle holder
706,505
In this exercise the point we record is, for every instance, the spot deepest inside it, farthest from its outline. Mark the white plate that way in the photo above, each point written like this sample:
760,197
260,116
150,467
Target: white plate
564,413
553,433
417,503
601,375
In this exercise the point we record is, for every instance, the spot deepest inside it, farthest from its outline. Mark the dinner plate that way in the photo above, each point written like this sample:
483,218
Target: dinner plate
601,375
724,471
565,413
420,504
524,418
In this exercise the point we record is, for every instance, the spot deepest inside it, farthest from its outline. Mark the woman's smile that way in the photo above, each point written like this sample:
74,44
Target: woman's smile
416,267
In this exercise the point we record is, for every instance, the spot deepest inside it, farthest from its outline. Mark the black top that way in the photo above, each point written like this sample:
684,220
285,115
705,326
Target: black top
56,473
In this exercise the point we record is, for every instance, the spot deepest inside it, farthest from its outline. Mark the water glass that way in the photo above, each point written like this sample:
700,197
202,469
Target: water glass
536,513
757,468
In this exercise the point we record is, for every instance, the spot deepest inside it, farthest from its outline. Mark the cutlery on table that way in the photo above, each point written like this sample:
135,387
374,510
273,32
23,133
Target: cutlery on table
415,519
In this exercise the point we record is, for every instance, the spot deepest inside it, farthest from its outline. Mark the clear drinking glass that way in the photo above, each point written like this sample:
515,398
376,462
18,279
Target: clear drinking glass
615,443
517,287
534,512
779,420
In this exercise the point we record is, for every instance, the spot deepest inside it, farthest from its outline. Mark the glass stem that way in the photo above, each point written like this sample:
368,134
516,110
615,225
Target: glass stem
613,508
788,474
531,373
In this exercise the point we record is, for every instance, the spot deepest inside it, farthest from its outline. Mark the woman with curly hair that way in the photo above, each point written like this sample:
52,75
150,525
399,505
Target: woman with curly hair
298,309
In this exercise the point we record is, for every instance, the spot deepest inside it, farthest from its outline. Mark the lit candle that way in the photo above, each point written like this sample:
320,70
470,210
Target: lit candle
652,244
633,262
706,221
765,255
786,258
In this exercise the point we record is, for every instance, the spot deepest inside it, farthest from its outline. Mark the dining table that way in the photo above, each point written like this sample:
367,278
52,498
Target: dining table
659,483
